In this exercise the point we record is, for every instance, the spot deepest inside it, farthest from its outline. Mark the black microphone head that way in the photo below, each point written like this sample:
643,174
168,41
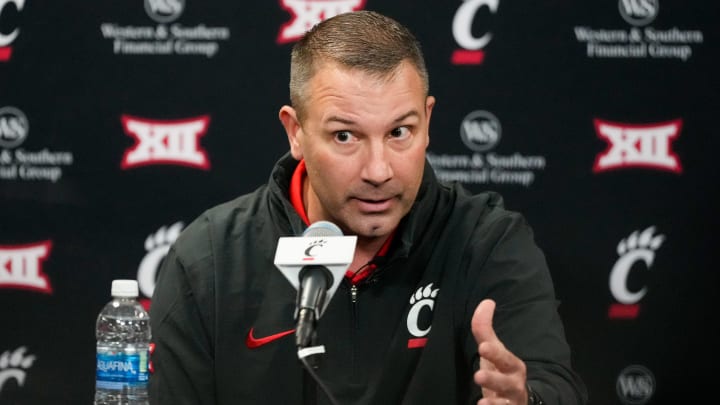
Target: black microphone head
322,228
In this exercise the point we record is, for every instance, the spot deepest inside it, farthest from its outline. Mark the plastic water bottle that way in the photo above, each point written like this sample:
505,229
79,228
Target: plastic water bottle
123,339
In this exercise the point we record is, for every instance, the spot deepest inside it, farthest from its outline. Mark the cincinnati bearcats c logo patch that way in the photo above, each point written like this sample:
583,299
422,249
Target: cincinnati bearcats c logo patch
421,301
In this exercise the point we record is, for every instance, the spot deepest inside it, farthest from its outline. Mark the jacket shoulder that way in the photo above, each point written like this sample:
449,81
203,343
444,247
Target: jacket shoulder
216,225
487,205
484,216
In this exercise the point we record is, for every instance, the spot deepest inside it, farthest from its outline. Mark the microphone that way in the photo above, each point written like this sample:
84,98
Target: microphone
314,264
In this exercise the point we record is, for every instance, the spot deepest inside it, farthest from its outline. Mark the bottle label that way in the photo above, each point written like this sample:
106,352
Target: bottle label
119,370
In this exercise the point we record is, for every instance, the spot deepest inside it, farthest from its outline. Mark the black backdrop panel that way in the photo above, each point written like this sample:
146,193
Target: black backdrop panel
530,97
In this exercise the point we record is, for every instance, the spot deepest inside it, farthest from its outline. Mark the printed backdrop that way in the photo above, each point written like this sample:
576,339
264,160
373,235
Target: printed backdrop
121,121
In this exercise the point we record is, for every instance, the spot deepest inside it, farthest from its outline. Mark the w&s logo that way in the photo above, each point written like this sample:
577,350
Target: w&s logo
14,127
638,12
164,11
480,131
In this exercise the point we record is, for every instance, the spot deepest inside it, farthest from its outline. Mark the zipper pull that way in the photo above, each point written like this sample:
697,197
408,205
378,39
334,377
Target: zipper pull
353,293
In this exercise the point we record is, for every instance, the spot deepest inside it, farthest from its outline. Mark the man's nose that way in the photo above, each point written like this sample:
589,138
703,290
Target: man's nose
378,167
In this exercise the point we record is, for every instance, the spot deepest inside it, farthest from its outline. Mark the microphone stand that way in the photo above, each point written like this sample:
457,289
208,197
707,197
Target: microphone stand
308,350
305,334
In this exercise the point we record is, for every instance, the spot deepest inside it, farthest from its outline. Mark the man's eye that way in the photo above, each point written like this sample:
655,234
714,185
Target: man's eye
343,136
400,132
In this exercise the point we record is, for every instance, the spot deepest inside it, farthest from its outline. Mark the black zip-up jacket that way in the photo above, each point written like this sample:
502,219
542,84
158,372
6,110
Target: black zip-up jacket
401,336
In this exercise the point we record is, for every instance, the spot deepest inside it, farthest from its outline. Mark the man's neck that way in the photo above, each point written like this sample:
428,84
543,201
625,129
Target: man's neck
366,248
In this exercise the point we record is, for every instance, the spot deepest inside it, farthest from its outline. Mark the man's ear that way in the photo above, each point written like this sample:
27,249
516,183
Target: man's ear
429,104
288,117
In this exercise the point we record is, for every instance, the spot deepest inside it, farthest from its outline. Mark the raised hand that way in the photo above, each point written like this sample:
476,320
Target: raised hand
502,375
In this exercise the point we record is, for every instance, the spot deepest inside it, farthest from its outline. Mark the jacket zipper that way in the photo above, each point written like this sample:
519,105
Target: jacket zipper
355,325
354,313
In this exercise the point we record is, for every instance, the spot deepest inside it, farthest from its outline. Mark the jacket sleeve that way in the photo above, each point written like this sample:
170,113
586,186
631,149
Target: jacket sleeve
511,269
183,357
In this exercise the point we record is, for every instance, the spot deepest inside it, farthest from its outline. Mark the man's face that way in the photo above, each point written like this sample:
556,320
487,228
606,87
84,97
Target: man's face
363,140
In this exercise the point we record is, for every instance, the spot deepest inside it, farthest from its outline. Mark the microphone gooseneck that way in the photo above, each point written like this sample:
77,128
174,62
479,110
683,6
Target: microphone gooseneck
314,283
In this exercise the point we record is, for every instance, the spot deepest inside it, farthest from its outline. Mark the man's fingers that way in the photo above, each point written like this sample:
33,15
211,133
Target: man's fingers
501,375
494,382
493,353
481,323
497,354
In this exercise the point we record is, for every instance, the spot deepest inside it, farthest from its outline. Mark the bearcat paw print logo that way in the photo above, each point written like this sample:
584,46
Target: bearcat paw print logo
157,246
638,247
15,365
423,298
163,238
319,242
423,293
644,241
314,244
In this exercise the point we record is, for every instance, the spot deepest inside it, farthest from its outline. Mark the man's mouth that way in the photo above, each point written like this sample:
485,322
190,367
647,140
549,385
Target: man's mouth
374,205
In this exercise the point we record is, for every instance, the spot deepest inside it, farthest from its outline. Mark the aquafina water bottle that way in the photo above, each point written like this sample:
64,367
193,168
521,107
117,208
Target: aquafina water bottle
123,339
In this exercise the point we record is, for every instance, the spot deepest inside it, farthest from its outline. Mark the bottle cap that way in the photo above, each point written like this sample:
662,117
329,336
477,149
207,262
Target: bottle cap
124,288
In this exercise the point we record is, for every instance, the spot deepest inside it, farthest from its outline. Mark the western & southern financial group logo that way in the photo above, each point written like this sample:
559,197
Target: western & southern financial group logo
164,11
7,37
472,47
165,142
639,12
307,13
167,37
20,164
14,127
641,40
635,385
481,132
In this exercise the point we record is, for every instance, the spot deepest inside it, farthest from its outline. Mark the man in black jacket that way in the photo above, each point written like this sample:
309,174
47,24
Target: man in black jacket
448,300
